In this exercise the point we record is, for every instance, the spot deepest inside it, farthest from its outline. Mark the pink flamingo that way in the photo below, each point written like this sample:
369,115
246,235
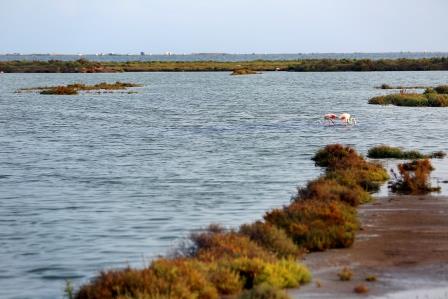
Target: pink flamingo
330,117
345,118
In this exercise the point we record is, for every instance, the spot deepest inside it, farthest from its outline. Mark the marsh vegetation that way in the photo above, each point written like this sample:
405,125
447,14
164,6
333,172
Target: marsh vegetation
413,178
391,152
259,258
305,65
432,97
243,71
73,89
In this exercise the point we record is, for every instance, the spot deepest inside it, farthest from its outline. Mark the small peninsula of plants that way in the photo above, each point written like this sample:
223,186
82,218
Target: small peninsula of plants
432,97
261,258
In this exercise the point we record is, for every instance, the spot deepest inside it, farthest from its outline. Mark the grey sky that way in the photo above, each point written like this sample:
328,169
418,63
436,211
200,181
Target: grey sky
233,26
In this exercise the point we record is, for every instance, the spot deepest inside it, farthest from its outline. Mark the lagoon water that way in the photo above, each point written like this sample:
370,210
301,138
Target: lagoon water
98,181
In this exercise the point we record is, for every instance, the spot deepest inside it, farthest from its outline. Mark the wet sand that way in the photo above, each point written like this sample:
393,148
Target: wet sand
403,242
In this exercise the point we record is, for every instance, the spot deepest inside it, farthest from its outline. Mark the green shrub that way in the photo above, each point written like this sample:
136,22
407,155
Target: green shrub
385,151
317,225
271,238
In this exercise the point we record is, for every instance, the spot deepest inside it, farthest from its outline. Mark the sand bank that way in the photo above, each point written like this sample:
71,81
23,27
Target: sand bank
403,242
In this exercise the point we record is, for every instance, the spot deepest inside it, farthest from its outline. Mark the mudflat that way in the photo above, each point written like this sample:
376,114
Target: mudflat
403,243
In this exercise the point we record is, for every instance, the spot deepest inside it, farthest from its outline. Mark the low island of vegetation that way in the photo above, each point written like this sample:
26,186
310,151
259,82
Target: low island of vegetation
304,65
73,89
432,97
387,86
243,71
391,152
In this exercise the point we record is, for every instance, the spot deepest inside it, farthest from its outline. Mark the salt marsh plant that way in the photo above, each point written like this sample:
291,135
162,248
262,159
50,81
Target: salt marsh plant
345,274
413,178
264,291
391,152
271,238
317,225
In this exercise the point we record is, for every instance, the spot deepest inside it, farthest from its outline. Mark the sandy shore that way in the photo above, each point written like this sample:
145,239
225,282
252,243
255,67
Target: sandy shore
403,242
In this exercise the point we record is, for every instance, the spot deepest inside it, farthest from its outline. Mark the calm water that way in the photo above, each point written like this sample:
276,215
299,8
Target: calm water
225,57
97,181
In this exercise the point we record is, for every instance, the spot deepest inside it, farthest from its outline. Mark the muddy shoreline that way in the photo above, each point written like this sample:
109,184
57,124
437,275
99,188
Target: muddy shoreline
403,243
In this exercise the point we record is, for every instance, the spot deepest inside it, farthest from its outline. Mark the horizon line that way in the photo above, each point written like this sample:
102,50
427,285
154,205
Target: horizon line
171,53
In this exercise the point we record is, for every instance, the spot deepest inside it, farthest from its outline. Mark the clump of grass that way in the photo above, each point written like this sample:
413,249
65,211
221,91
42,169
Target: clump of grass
69,290
317,225
243,71
371,278
361,289
412,100
271,238
60,90
414,178
264,291
345,274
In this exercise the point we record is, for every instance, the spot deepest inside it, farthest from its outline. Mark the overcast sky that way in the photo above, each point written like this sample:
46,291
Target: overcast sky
232,26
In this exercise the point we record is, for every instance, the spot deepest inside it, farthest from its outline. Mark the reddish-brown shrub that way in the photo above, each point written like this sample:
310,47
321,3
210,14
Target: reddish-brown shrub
317,225
177,278
215,243
414,178
330,189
